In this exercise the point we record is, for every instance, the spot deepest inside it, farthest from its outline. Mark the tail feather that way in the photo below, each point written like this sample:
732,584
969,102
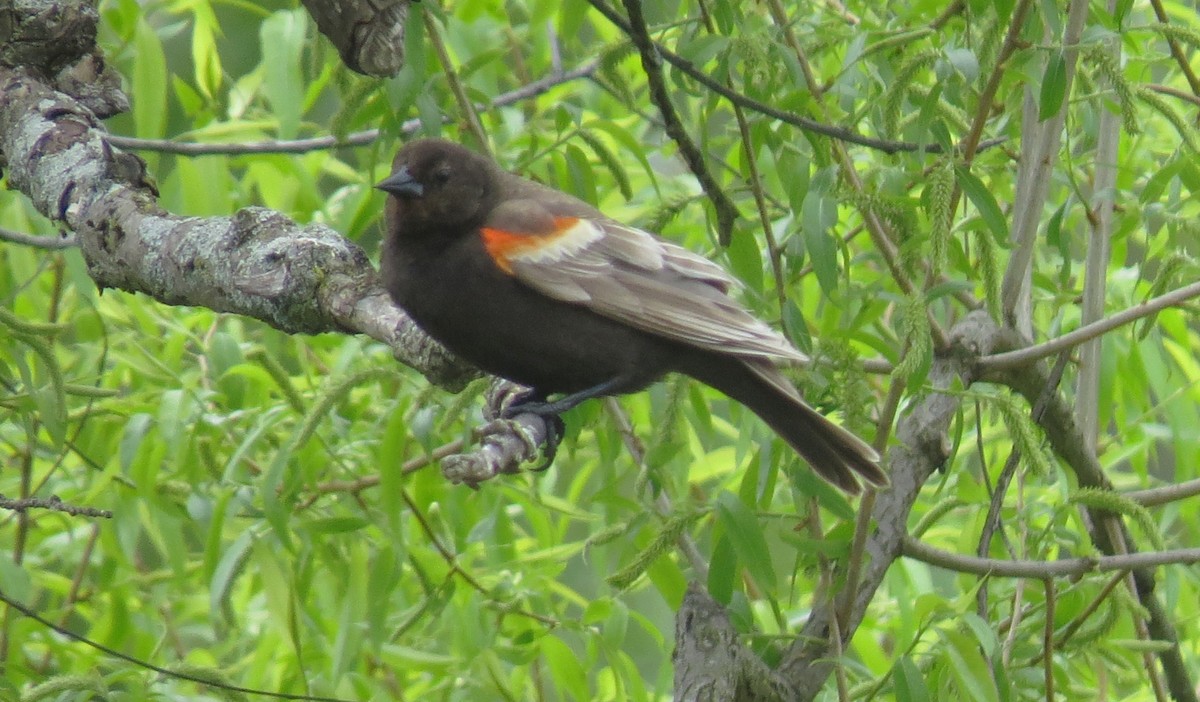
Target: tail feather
834,453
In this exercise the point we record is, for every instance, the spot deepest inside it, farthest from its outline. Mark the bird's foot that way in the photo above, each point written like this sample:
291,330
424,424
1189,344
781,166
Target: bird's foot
535,402
555,430
516,402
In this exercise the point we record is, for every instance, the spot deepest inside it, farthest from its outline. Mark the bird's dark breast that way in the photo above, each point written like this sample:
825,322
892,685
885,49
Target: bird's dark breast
462,299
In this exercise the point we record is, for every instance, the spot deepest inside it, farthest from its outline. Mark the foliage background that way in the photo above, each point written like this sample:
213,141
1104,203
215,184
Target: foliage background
264,534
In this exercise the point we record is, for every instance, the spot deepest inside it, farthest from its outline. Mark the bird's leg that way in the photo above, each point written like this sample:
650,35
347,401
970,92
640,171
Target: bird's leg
536,403
555,430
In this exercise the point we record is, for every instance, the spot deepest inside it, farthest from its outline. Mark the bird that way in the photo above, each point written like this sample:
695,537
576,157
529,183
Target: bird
536,286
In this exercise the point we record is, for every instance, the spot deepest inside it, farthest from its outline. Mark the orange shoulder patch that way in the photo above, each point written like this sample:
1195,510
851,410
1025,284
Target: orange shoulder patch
503,245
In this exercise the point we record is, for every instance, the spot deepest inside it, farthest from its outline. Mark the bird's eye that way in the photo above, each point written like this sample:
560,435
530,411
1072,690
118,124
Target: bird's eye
441,175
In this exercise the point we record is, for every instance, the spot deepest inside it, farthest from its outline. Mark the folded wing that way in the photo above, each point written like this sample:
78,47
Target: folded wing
626,274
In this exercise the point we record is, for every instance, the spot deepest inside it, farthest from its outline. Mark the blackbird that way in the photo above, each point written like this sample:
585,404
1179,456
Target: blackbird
536,286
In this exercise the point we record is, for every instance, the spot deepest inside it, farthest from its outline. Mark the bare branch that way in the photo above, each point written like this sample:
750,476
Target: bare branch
368,136
63,241
1153,497
467,109
1040,141
810,125
1180,56
1063,568
1025,356
1174,92
922,447
54,504
1106,530
1099,251
505,444
727,212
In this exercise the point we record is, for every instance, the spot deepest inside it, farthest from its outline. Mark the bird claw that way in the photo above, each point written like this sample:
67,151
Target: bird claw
519,400
555,430
506,401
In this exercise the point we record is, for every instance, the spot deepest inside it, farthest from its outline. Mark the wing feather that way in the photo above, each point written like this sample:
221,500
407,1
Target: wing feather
635,278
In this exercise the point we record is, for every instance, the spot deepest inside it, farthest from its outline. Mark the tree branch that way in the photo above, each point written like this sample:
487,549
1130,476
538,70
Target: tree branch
1029,354
1062,568
727,212
369,36
1152,497
368,136
54,504
810,125
1040,141
63,241
711,663
1106,530
923,446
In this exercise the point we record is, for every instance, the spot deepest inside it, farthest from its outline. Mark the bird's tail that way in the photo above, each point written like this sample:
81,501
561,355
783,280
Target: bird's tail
833,452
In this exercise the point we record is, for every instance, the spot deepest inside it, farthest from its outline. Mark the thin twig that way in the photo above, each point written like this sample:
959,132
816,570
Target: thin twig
880,236
451,560
839,133
637,451
63,241
1075,624
1174,92
166,672
992,522
1180,56
298,146
68,607
1152,497
1048,640
639,34
1012,40
1062,568
356,486
54,504
1021,357
465,106
755,182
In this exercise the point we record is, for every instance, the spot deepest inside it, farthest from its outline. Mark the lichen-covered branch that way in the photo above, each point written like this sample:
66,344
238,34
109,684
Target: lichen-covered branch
256,263
923,447
710,661
368,34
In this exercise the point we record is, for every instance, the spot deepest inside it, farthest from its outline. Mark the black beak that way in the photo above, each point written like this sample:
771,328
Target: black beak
401,184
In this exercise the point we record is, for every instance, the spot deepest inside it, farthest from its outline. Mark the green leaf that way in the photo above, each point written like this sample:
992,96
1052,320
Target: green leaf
745,533
206,59
228,568
746,261
149,83
1054,87
818,217
910,683
971,671
985,202
583,180
722,571
282,36
131,438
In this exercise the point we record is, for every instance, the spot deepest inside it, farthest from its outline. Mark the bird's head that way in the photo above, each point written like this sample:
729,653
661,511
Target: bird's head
438,185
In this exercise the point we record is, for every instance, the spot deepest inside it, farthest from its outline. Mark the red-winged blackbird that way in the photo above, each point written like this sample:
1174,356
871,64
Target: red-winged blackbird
536,286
